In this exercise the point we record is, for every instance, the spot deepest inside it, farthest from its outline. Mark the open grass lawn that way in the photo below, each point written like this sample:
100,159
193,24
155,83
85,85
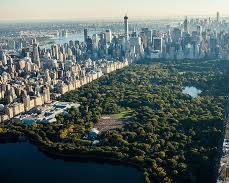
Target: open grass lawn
122,115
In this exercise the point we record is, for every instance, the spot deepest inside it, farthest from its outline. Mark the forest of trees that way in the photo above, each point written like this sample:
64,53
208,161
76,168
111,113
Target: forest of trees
170,135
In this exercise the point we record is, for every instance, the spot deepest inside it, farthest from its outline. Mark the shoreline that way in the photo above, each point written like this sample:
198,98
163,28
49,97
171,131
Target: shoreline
94,158
74,157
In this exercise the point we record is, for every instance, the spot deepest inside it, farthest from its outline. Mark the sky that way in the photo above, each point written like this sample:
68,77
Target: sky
91,9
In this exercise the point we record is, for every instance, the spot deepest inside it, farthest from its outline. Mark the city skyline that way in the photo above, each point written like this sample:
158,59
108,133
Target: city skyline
141,86
57,10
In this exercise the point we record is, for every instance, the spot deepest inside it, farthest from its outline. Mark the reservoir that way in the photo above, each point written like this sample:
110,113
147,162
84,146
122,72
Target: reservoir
24,163
192,91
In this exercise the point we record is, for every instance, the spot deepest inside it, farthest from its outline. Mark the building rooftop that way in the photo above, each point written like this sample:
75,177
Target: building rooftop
47,112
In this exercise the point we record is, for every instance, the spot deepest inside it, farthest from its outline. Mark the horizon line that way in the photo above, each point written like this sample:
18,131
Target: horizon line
116,18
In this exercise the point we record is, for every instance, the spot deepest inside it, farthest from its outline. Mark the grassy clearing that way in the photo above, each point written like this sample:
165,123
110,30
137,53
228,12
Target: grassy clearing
122,115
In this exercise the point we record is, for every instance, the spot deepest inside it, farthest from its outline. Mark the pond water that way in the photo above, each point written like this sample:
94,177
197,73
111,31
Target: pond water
24,163
192,91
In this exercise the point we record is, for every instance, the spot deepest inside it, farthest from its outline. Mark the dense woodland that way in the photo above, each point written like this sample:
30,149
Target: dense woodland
170,135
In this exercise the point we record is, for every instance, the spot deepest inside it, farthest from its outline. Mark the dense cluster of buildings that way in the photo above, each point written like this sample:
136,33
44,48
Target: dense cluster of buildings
191,39
194,39
31,76
32,81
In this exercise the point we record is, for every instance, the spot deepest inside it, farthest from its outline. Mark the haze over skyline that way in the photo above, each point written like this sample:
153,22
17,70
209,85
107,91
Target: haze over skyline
72,9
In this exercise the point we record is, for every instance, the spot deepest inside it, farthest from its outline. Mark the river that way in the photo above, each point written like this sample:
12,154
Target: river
70,37
24,163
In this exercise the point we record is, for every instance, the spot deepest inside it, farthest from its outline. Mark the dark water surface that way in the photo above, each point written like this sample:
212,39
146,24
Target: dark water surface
24,163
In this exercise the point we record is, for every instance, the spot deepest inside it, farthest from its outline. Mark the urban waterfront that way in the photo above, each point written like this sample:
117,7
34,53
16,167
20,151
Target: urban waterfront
79,36
23,162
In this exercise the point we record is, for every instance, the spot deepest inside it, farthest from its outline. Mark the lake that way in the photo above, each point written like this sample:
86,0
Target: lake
192,91
24,163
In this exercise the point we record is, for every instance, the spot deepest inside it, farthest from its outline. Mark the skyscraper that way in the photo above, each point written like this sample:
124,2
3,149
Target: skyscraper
199,30
95,40
85,34
146,36
186,24
213,46
4,59
217,17
126,27
176,35
108,36
36,56
157,44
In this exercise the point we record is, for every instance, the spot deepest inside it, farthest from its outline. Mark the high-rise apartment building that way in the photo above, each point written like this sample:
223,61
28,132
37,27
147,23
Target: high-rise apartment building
126,27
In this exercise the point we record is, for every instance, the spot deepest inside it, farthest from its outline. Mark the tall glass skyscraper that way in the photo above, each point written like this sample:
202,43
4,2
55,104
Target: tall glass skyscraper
126,27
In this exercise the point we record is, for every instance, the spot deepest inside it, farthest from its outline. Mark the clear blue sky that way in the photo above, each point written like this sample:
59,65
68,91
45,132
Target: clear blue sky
77,9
